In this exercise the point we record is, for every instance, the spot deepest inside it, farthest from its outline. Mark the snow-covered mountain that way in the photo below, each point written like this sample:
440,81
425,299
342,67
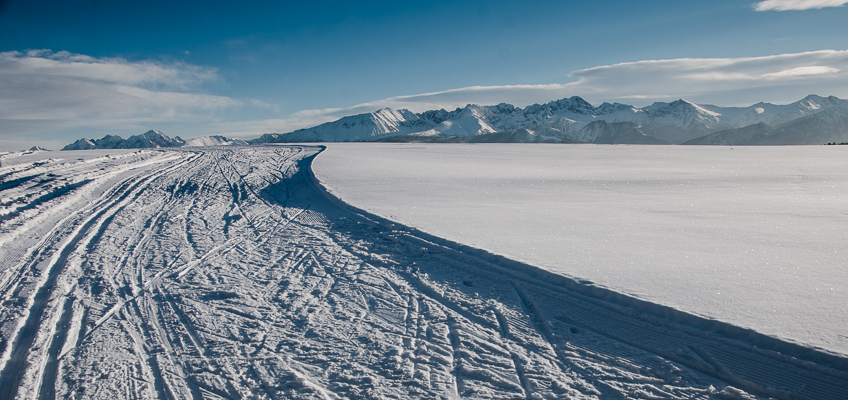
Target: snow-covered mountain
356,128
152,139
81,144
775,114
565,120
811,120
829,125
149,139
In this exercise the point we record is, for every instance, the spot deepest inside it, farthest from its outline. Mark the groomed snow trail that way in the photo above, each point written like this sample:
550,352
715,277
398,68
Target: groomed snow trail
228,273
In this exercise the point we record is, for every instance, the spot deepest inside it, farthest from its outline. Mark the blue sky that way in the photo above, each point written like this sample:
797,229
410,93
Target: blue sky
75,68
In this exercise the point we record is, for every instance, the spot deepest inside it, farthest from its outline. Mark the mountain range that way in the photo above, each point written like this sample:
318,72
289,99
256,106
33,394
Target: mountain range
828,125
150,139
811,120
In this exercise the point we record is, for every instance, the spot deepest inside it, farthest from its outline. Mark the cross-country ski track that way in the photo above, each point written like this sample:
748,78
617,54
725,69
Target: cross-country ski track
231,273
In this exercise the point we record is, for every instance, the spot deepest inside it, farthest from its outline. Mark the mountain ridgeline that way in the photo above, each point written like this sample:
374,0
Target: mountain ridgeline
811,120
150,139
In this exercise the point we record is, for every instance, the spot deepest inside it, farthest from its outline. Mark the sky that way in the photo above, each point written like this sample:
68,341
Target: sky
88,68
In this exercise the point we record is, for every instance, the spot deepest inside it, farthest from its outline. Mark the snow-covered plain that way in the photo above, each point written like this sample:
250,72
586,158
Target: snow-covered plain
228,272
752,236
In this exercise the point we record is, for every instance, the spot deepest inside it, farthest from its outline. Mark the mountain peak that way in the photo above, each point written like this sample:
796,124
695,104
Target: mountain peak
683,103
152,139
815,102
504,108
685,107
81,144
574,104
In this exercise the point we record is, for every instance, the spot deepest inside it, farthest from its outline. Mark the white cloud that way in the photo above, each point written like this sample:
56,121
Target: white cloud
107,70
790,5
726,81
780,78
800,72
43,91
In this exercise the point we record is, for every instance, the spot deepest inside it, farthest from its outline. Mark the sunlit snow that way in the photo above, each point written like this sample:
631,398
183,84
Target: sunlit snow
229,272
753,236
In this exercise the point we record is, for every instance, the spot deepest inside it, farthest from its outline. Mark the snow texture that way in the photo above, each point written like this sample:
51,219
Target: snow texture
830,125
229,273
749,236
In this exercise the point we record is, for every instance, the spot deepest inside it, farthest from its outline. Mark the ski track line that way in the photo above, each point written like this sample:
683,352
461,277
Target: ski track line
149,364
234,188
517,363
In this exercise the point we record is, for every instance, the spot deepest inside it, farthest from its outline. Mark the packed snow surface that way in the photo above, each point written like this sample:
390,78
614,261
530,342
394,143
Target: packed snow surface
229,273
752,236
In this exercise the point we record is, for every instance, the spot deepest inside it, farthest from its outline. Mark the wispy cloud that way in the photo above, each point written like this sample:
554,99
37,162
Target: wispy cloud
727,81
724,81
108,70
793,5
802,72
44,90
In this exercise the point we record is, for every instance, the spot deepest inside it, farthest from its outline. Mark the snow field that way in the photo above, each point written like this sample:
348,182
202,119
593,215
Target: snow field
227,273
752,236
